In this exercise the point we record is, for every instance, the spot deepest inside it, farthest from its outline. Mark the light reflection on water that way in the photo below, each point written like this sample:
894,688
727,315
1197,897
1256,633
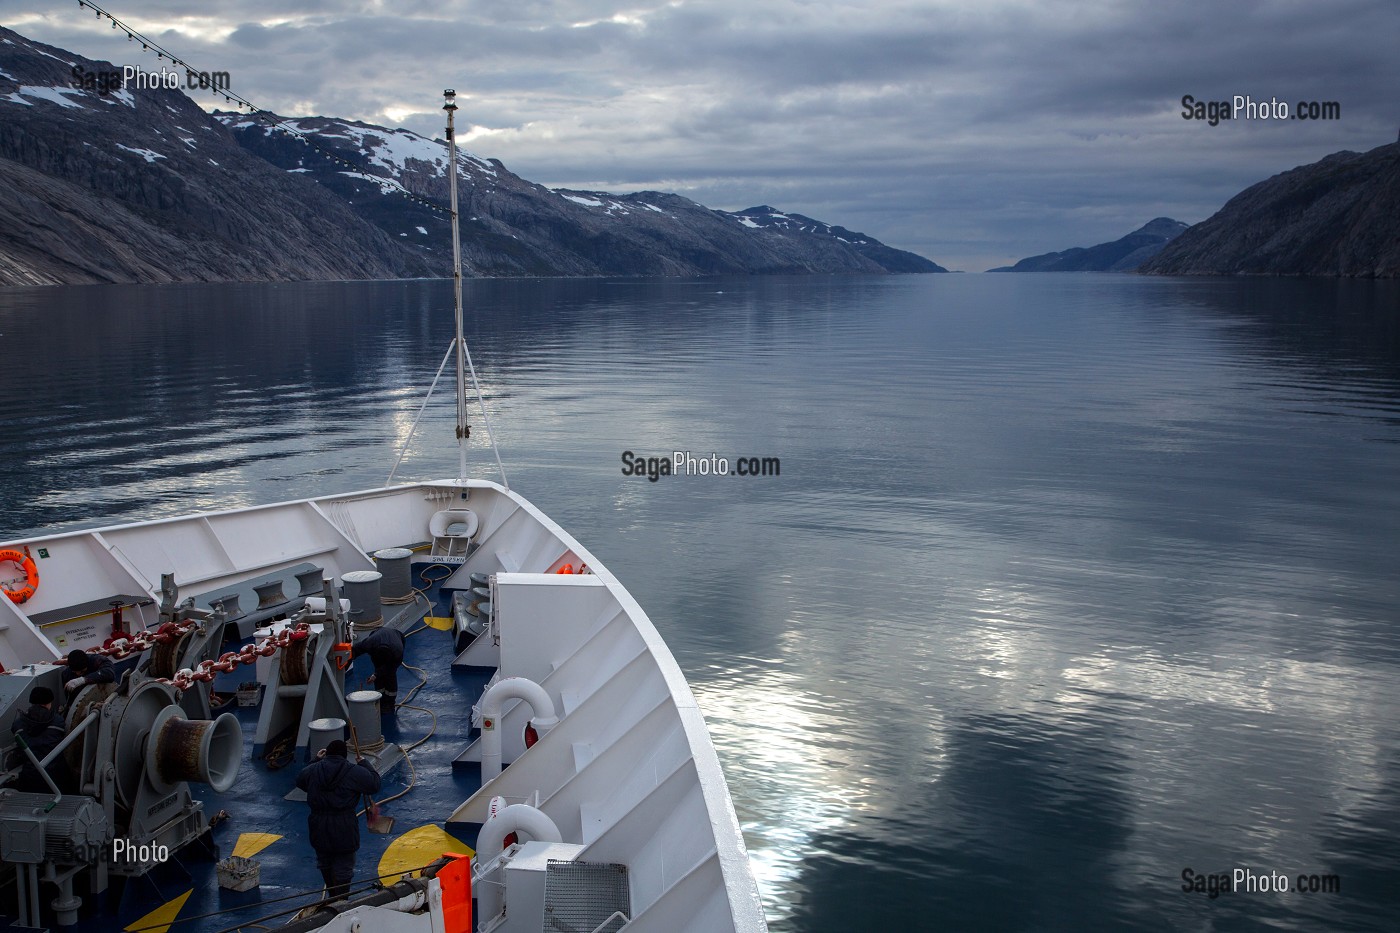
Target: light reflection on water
1068,583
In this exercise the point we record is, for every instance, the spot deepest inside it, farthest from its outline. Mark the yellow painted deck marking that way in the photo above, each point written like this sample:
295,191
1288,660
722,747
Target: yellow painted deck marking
416,848
441,623
250,844
160,919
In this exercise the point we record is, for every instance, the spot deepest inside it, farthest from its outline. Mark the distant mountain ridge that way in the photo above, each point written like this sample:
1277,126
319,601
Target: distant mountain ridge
1339,216
142,185
511,226
764,217
1125,254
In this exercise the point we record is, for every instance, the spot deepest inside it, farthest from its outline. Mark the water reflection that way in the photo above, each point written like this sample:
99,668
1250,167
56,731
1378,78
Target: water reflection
1068,583
1021,828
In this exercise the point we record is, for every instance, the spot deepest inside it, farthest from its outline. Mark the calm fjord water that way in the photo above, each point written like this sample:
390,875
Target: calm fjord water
1068,584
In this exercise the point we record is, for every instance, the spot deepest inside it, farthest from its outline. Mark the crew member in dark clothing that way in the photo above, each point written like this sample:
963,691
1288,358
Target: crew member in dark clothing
385,649
84,669
42,731
333,789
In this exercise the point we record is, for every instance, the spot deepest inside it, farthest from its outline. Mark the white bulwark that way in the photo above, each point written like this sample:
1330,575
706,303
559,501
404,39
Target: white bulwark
628,774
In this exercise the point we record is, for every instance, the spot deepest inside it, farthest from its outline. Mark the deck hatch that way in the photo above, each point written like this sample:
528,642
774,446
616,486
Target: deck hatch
580,897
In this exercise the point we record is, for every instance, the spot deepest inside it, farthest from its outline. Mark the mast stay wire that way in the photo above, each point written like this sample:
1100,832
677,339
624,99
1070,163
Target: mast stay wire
460,343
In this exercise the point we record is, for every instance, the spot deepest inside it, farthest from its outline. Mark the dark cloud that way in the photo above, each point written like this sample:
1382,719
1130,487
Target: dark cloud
975,133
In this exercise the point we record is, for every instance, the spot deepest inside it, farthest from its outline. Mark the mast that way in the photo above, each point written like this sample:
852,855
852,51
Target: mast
463,429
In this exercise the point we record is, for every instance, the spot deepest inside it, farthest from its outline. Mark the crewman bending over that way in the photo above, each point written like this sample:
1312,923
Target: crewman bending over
84,669
385,649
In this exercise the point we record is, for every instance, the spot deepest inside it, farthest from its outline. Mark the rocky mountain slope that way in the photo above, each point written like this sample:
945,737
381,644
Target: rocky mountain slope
138,185
1122,255
511,226
143,186
1338,216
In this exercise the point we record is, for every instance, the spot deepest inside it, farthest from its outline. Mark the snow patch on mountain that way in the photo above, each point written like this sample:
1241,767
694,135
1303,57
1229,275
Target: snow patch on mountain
146,154
57,95
394,149
385,187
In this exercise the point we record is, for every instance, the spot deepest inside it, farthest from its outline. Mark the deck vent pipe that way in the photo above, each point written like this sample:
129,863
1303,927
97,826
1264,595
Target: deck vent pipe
395,563
490,842
510,688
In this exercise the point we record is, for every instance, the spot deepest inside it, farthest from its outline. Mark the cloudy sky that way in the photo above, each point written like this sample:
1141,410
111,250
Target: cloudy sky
975,133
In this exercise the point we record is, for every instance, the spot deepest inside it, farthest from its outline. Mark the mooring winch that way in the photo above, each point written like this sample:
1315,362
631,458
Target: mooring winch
123,769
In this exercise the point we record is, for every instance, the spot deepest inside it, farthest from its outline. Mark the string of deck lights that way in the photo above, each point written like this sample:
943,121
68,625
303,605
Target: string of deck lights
150,45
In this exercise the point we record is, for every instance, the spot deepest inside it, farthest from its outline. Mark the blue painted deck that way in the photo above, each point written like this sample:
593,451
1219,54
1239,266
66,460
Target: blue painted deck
255,805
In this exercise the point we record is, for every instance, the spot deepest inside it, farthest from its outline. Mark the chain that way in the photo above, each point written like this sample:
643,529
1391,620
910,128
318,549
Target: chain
204,671
122,646
231,660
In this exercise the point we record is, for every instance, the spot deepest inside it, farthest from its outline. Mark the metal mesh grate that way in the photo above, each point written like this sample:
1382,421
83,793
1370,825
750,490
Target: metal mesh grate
581,896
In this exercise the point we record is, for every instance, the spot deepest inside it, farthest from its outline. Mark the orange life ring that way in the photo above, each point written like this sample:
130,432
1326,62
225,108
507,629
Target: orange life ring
31,576
567,568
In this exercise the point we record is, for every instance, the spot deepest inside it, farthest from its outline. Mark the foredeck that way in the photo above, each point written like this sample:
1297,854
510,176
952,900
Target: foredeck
629,773
272,830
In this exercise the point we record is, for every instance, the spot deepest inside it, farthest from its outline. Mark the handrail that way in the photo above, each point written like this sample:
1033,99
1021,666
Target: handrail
73,734
100,612
616,914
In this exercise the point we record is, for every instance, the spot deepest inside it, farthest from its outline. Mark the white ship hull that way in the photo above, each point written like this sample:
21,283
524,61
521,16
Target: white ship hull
629,774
